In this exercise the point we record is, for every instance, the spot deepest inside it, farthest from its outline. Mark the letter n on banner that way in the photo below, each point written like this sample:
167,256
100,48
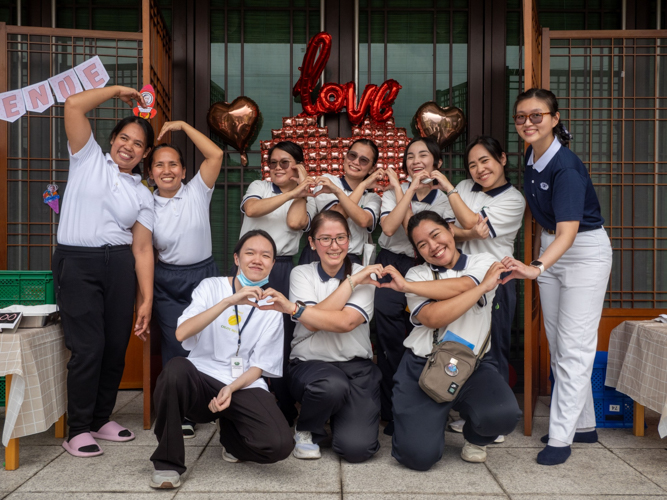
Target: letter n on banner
38,97
65,84
92,73
12,106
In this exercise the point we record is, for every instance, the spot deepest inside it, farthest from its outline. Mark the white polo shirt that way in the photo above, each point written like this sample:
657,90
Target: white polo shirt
312,285
504,207
274,223
369,201
100,203
212,349
399,243
472,326
182,234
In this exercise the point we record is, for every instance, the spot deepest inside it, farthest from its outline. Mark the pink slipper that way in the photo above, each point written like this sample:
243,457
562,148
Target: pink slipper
80,441
111,432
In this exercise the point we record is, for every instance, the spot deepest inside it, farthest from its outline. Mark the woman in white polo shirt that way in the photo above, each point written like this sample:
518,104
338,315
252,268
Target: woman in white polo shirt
232,345
278,206
331,370
461,306
352,195
104,249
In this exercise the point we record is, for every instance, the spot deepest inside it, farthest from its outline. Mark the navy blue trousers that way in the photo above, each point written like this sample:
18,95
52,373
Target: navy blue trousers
485,401
502,316
172,293
392,323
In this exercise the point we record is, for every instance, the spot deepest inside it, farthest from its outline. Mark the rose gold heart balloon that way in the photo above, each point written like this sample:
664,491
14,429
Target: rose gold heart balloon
443,124
235,122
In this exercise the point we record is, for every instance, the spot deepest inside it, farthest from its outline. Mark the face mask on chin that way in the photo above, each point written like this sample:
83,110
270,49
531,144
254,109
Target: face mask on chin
246,282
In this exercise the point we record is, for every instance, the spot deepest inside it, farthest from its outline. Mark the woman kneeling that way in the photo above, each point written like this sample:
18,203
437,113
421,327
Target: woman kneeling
458,303
222,376
331,372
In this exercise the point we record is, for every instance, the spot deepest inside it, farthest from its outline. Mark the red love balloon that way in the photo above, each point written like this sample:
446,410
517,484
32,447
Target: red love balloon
331,98
356,115
235,122
311,69
381,109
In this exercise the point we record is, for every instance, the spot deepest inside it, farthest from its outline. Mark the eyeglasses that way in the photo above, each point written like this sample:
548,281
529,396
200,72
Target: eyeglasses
284,164
327,241
535,118
363,161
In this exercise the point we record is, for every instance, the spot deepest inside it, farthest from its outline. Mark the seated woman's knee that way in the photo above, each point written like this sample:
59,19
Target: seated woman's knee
416,456
335,388
355,451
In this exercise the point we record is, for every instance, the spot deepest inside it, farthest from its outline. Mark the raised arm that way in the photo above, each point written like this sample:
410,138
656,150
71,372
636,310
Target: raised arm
210,167
77,126
348,206
390,223
466,217
436,289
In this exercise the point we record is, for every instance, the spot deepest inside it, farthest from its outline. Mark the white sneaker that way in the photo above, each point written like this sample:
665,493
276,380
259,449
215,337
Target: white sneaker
304,448
473,453
228,457
499,439
165,479
457,425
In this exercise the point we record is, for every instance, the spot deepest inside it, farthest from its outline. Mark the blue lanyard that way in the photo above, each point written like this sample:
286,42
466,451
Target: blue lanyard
236,312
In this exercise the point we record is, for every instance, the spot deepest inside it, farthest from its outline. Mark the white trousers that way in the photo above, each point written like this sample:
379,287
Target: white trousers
572,294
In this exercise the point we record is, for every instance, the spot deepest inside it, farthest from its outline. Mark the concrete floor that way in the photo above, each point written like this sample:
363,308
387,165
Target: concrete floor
618,466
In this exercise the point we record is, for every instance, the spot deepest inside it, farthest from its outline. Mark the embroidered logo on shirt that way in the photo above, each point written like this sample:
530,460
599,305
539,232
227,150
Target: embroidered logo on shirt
544,186
232,319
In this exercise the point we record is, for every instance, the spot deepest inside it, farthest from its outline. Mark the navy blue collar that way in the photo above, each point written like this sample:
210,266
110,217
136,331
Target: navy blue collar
346,186
460,265
429,198
340,275
276,189
495,191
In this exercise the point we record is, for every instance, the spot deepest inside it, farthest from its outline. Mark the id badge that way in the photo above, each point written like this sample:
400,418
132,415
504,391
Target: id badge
237,367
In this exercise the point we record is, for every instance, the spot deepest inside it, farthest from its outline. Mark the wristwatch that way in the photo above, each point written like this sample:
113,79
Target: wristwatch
301,306
538,264
452,192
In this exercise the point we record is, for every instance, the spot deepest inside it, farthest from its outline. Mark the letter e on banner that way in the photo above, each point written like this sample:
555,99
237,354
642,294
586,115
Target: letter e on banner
12,106
38,97
65,84
92,73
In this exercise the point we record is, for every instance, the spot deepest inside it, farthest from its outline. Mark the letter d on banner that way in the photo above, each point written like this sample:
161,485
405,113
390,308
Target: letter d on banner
65,84
38,97
12,106
92,73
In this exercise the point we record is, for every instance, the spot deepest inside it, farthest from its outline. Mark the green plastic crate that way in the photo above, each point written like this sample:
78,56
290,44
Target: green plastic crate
26,288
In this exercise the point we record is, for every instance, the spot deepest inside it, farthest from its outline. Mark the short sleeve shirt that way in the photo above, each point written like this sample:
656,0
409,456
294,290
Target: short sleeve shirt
101,203
504,207
558,189
212,349
472,326
274,223
312,285
369,201
182,234
399,243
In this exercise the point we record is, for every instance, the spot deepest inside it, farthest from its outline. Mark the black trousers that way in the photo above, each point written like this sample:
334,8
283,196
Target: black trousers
95,290
502,316
392,323
251,428
172,294
485,401
346,393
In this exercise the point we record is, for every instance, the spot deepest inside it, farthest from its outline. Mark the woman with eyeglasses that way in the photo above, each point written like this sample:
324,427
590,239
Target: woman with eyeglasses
278,206
352,195
572,269
331,370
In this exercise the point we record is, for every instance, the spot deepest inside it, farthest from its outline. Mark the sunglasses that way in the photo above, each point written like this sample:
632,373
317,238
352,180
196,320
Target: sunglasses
284,164
362,160
534,118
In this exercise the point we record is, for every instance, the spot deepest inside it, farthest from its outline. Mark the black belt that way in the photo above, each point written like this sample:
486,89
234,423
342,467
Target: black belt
581,230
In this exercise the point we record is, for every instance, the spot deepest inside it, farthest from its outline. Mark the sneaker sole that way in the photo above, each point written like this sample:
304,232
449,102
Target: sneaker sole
165,485
185,436
306,456
474,460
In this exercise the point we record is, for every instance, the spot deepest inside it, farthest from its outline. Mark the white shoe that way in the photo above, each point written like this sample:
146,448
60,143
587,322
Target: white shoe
165,479
499,439
473,453
457,425
304,448
228,457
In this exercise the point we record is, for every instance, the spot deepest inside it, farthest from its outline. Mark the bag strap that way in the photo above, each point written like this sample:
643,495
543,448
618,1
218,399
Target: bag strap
436,277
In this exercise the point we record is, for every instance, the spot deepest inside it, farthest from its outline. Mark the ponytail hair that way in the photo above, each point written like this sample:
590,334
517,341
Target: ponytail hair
331,215
548,98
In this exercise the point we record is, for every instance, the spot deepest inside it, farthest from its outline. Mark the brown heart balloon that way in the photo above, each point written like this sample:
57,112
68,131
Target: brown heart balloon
235,122
443,124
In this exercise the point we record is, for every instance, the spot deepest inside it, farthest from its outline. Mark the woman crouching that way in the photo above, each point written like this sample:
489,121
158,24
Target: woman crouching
459,302
331,371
